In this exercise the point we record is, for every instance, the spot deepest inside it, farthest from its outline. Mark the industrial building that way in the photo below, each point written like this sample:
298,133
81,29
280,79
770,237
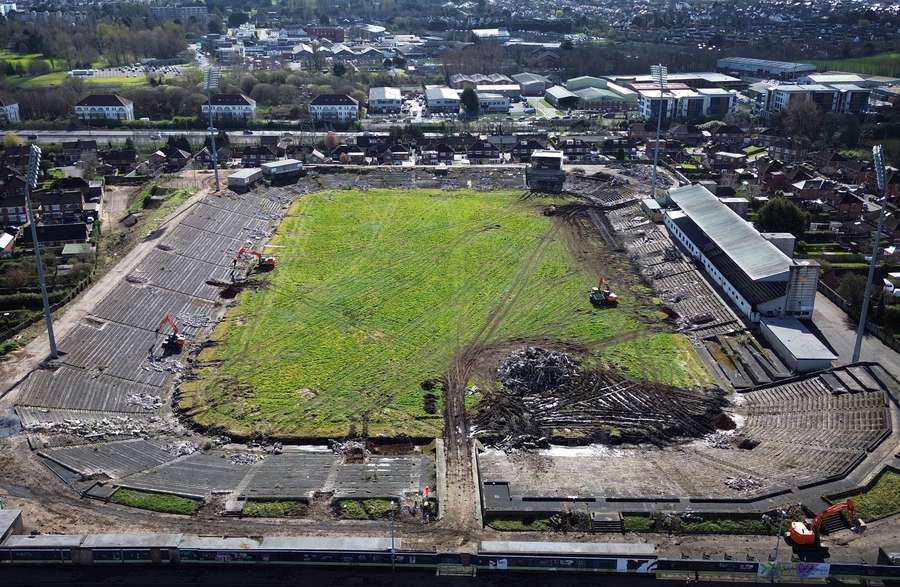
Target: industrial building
764,68
385,100
754,273
442,99
561,98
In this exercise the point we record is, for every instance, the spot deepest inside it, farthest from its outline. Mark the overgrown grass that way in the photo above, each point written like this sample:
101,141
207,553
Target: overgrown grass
273,509
503,524
637,523
709,525
365,509
377,291
157,502
882,500
887,64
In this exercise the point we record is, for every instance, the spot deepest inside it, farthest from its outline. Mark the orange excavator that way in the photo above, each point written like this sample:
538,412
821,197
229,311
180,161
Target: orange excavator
806,534
174,341
265,262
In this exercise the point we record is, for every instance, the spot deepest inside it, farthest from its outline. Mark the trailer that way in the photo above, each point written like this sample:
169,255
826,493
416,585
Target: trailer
245,178
281,168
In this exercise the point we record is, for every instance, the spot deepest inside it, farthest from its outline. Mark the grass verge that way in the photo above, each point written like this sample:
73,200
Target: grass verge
156,502
887,64
365,509
274,509
709,525
504,524
881,500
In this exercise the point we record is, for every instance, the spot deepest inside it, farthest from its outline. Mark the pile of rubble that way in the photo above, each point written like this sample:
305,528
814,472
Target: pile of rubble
743,483
147,401
245,458
186,319
112,426
535,369
719,439
351,450
182,449
162,364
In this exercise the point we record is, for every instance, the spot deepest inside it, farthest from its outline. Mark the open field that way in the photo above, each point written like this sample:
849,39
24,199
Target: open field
378,291
881,500
881,64
157,502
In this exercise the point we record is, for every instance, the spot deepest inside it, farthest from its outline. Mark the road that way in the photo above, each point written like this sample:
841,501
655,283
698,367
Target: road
29,358
840,332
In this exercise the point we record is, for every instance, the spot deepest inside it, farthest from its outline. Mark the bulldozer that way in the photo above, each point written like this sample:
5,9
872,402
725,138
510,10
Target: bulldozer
173,344
808,534
264,262
601,296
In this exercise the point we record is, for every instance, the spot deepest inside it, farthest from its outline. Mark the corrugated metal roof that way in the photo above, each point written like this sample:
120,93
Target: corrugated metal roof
756,256
798,339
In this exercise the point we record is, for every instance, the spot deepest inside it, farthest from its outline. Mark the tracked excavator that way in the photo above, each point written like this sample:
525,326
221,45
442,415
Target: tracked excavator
173,344
264,262
808,533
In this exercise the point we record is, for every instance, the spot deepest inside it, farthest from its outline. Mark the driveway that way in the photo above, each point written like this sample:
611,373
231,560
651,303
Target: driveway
840,332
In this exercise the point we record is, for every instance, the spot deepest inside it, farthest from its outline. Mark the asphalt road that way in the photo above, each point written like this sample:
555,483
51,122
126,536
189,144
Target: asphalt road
840,332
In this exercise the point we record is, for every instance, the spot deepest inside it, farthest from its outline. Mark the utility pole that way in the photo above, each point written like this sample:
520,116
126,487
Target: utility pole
660,74
31,179
393,550
212,83
878,162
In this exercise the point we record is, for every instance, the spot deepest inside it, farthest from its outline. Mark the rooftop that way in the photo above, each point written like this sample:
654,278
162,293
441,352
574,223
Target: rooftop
756,256
798,339
333,100
104,100
384,93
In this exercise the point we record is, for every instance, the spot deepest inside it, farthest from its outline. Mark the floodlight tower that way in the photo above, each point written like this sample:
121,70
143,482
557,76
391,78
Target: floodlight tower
878,162
31,179
212,83
660,74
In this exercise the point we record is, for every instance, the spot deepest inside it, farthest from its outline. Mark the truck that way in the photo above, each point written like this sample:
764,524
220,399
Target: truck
545,172
244,179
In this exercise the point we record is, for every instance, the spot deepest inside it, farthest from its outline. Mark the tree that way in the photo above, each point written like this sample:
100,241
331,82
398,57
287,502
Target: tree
852,289
11,139
469,99
339,69
566,45
331,141
782,215
236,19
180,142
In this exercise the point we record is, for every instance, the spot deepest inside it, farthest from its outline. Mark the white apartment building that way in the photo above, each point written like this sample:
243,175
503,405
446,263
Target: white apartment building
9,112
385,101
338,108
105,107
230,107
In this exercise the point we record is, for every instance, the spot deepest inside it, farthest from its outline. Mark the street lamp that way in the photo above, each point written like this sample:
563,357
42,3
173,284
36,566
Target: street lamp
212,83
878,163
31,179
660,74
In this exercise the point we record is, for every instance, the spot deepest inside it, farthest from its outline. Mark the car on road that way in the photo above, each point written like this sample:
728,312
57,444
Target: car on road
248,131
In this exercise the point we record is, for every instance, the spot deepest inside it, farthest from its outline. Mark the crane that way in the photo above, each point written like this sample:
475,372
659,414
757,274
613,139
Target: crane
266,262
174,341
805,534
602,296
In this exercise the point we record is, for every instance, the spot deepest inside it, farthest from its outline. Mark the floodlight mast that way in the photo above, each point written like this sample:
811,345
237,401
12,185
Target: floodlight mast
31,179
878,162
660,74
212,83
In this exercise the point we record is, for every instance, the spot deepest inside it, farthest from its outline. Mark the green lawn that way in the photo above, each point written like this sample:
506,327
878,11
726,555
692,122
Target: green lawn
378,291
519,524
157,502
887,64
273,509
882,500
25,59
709,525
365,509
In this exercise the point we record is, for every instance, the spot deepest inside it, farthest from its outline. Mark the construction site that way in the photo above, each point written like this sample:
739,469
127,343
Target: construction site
444,350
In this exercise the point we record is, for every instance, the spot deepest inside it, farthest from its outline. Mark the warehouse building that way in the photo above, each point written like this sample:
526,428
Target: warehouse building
764,68
758,277
561,98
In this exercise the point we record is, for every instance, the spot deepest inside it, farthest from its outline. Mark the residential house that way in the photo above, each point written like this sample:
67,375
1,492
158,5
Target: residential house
203,157
787,150
230,108
170,158
12,199
122,160
483,151
686,134
255,156
817,188
9,112
525,147
436,154
575,150
396,154
57,235
61,205
105,107
75,151
335,108
729,134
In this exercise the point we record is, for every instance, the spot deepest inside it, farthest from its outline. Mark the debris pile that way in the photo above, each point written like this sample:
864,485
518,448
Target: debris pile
146,401
601,407
535,369
353,451
112,426
161,364
245,458
182,449
719,439
743,483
